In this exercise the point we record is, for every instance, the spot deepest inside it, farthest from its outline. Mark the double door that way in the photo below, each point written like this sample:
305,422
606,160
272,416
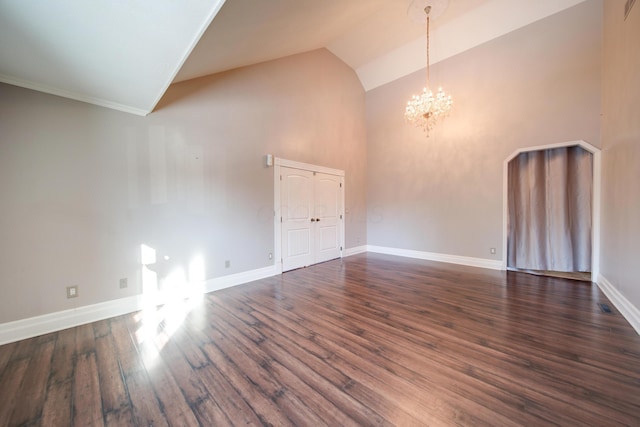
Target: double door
311,215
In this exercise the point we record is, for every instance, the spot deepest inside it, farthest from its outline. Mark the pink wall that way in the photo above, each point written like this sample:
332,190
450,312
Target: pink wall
621,151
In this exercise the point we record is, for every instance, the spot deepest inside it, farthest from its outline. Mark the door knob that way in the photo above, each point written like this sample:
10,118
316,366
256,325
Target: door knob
318,219
313,220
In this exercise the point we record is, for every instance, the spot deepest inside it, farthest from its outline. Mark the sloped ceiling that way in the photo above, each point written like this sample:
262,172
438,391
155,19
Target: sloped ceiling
121,54
124,54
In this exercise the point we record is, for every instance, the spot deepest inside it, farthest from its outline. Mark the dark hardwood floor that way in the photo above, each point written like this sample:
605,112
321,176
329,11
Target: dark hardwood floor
370,340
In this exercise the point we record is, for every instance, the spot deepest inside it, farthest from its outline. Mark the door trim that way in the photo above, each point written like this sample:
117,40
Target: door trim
595,212
277,228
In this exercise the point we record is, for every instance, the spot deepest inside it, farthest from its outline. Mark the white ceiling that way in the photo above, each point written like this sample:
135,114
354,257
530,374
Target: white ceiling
123,54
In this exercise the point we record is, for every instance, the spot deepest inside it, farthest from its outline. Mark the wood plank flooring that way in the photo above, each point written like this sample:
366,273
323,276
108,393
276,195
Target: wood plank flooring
369,340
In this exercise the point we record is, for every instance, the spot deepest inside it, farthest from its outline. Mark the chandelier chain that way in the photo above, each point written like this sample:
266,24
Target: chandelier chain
427,10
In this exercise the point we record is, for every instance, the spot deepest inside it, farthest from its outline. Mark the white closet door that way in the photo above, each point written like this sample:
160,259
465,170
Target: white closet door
311,211
297,206
327,211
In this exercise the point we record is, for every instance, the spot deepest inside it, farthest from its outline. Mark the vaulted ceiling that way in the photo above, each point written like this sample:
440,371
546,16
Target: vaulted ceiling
124,54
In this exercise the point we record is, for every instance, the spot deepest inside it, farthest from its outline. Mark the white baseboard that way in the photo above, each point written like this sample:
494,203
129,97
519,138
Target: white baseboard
628,310
355,251
52,322
239,278
431,256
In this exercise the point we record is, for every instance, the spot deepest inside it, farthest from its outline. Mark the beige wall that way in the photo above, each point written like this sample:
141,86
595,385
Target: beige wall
621,150
83,187
538,85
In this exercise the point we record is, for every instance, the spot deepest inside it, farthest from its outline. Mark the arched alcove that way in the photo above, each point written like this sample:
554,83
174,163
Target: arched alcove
595,232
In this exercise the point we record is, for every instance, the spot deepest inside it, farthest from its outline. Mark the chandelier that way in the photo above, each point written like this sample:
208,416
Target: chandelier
426,109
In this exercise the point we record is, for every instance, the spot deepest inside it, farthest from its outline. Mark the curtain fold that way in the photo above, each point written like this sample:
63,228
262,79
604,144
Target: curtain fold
549,206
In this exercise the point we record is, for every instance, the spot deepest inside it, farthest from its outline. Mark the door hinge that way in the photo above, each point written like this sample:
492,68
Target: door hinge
340,247
280,219
340,216
280,177
340,185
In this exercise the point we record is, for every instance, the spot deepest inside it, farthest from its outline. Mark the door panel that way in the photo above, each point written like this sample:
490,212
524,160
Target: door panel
328,239
298,195
296,208
298,242
328,198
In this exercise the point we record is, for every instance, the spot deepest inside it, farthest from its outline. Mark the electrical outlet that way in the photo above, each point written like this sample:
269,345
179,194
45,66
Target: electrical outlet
492,250
72,291
123,283
270,255
227,264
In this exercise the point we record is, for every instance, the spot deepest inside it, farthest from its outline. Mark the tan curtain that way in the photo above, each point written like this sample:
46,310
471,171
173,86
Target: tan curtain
549,195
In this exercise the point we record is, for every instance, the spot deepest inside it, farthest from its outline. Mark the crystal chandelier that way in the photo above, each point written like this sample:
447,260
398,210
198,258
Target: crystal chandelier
426,109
